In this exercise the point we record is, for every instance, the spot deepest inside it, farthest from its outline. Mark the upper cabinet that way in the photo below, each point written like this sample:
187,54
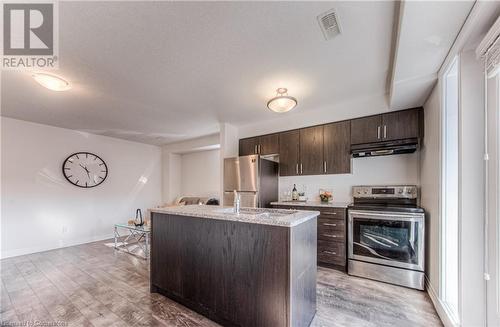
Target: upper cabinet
392,126
269,144
326,149
337,148
311,151
289,153
249,146
263,145
366,130
401,125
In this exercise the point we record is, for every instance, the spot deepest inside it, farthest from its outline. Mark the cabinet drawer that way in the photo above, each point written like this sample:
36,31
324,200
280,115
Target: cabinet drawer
325,224
331,252
332,213
331,236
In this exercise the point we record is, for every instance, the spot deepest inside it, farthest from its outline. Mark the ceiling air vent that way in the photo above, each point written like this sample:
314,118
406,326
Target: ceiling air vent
329,24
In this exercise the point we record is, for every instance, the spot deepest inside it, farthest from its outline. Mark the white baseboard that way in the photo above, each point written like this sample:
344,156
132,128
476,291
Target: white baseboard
440,307
30,250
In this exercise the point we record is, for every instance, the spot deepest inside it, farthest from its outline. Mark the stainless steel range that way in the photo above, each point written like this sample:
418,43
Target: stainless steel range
386,235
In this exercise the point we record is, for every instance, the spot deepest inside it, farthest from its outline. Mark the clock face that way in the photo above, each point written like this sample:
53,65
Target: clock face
85,169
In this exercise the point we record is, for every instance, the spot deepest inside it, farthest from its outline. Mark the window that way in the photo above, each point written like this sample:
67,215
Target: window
450,191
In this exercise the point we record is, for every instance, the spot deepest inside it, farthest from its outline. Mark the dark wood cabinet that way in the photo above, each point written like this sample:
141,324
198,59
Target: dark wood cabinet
366,130
248,146
326,149
332,235
289,153
263,145
337,148
269,144
311,151
391,126
401,125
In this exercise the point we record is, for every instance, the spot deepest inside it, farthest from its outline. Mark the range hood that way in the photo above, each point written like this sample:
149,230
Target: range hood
384,148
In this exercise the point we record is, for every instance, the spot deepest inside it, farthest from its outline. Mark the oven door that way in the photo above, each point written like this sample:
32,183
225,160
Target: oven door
388,238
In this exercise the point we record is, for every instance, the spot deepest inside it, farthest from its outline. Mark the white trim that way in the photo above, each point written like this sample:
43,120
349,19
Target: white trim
440,307
35,249
467,28
489,39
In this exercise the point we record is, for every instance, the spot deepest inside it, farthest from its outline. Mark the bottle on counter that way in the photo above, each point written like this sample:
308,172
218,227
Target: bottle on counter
295,193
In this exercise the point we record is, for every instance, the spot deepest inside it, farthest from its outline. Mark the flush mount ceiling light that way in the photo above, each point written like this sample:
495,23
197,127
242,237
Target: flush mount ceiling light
282,102
51,82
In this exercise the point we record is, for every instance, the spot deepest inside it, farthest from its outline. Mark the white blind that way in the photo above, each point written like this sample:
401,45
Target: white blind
489,49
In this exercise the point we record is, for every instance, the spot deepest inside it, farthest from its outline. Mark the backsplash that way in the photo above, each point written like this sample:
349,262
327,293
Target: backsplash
387,170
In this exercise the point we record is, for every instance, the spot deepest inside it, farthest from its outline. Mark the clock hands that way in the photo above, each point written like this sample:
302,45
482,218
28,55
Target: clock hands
86,170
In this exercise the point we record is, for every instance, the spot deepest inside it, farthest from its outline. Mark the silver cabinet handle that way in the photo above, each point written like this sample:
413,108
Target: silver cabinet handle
259,148
329,213
385,131
297,169
330,252
301,168
378,132
255,149
324,166
328,224
330,235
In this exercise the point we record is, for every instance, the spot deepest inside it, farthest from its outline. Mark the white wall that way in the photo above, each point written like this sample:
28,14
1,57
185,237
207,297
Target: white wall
430,186
200,173
387,170
41,210
172,165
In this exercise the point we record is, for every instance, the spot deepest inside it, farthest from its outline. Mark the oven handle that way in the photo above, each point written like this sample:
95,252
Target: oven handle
381,215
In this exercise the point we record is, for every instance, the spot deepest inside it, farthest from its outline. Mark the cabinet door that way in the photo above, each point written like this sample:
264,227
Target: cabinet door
311,151
366,130
401,124
337,147
269,144
248,146
289,153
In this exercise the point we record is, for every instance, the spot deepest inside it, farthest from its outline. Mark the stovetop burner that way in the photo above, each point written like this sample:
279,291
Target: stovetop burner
400,198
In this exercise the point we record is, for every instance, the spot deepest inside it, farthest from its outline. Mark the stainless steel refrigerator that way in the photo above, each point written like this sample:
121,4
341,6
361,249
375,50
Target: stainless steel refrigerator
256,179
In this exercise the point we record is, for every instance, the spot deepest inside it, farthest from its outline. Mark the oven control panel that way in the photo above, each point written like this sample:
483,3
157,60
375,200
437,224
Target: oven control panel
396,192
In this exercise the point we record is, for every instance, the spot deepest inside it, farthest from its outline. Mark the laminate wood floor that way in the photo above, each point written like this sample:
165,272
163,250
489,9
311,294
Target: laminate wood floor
94,285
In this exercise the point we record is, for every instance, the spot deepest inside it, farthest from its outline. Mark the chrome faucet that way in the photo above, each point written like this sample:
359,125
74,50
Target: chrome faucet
237,201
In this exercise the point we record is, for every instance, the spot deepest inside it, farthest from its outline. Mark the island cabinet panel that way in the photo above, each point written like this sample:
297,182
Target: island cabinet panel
337,148
366,130
248,146
311,151
235,273
289,153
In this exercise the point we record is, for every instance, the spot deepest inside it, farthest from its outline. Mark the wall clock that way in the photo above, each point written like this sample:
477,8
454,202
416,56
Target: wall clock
85,169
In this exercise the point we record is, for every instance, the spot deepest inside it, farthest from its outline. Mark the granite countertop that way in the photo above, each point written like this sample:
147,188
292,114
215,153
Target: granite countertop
312,204
276,217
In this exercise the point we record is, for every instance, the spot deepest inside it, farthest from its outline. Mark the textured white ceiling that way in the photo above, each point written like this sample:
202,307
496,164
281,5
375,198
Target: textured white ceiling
160,72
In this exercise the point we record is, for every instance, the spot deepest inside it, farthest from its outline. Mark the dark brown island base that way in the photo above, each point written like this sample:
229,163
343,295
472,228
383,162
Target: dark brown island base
255,268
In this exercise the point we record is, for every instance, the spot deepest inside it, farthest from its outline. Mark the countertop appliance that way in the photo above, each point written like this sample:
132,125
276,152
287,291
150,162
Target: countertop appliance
254,178
386,235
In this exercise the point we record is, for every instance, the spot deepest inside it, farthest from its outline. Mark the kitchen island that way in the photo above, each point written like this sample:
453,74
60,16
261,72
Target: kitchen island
255,268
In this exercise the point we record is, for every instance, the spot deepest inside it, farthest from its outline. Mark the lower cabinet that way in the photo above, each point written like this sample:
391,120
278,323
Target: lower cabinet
332,235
